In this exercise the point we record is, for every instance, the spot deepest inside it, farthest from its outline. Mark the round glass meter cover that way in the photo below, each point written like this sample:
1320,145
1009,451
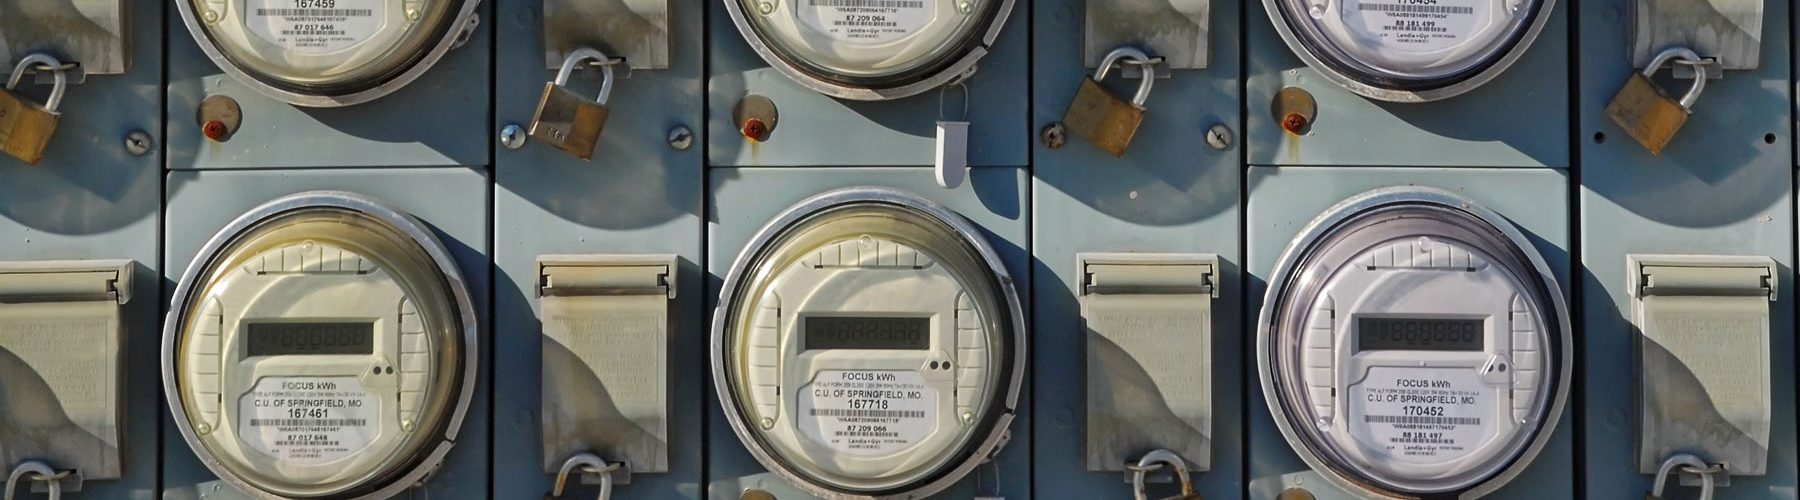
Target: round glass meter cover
871,49
326,53
1409,50
1413,343
320,346
869,345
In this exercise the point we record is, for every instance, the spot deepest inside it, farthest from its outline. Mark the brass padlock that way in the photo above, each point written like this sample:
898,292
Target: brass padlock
26,126
589,463
1646,112
1103,118
1680,460
1158,459
567,120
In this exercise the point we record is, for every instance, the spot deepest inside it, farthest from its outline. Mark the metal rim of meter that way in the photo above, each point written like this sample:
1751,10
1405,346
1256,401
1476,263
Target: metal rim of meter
1311,260
374,78
947,62
401,470
1001,405
1336,54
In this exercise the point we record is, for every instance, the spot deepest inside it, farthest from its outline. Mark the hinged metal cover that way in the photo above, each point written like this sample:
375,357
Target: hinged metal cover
605,357
61,363
1729,31
89,32
1175,30
1149,336
1703,358
637,30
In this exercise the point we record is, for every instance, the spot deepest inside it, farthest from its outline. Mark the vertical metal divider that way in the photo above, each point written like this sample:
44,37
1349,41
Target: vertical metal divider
1577,265
1246,328
707,295
490,363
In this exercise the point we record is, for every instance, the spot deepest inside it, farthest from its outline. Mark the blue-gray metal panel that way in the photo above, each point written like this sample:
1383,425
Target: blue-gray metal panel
90,199
1724,185
452,201
741,200
815,130
1519,119
636,196
438,120
1284,199
1169,193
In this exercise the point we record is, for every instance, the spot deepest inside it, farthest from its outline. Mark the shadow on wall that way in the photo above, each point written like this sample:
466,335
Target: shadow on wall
33,425
78,198
1136,412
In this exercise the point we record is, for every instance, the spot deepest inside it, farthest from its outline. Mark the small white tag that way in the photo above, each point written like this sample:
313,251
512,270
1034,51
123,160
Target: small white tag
952,153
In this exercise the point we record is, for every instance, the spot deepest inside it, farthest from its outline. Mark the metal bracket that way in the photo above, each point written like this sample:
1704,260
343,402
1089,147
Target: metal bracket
1727,31
637,30
1176,30
93,32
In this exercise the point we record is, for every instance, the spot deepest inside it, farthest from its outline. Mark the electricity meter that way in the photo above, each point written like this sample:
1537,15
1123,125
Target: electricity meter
1413,343
327,53
1409,50
871,49
321,346
869,344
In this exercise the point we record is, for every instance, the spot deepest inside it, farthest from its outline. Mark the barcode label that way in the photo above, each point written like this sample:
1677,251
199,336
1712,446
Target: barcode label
312,33
308,422
867,434
316,12
873,4
1415,9
1420,440
836,412
873,24
1421,29
1421,420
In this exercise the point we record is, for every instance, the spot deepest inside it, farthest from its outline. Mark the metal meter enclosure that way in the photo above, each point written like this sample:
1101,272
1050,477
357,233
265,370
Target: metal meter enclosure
321,346
869,343
871,50
327,53
1409,50
1413,343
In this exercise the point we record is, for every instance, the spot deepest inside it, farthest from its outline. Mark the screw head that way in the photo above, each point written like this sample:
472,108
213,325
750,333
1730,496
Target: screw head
137,142
965,7
210,16
681,138
1219,136
413,13
765,8
767,423
1053,135
754,129
512,136
215,130
1293,123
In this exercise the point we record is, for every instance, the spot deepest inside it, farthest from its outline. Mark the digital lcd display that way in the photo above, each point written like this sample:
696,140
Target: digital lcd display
867,332
1419,334
280,339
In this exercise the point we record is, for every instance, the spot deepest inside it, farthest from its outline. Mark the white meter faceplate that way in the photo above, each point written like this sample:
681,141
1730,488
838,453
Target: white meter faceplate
869,344
1413,343
327,53
871,49
321,346
1409,50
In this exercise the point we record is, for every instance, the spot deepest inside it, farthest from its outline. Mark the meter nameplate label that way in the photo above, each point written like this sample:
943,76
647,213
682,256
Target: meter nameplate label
1422,415
866,22
308,420
867,412
59,375
1416,25
314,26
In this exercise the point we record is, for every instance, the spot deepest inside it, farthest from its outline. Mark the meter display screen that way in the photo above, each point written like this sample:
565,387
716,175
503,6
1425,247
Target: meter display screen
278,339
320,347
870,49
868,344
1413,344
1419,334
867,332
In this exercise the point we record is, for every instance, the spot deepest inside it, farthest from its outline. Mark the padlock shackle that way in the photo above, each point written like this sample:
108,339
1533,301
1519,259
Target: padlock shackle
1156,459
56,93
585,54
1127,52
1687,55
42,471
586,460
1679,459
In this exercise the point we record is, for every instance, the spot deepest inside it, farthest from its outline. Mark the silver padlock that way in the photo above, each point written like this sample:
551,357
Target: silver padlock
1158,459
1668,468
39,471
589,464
